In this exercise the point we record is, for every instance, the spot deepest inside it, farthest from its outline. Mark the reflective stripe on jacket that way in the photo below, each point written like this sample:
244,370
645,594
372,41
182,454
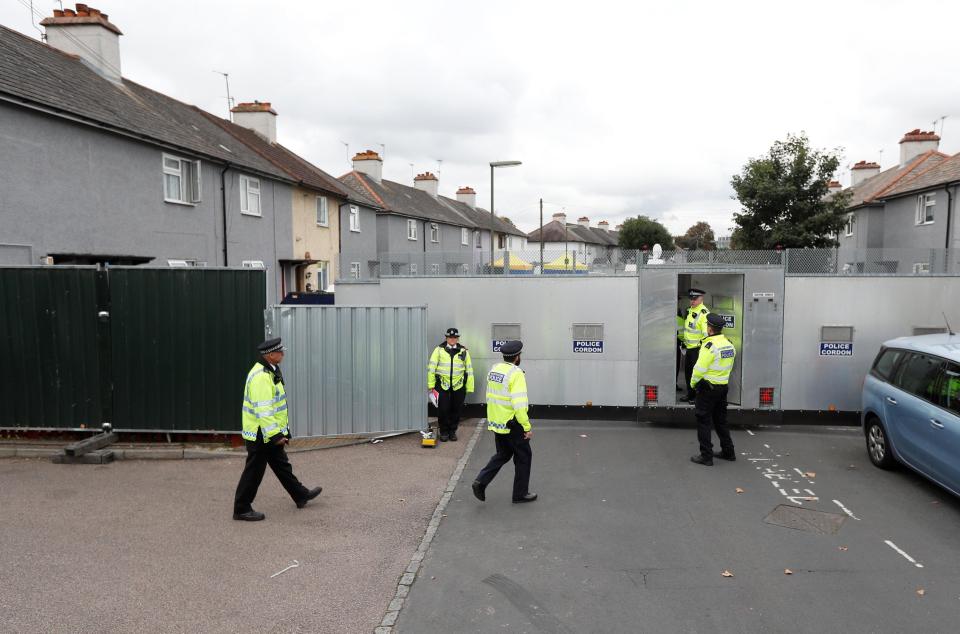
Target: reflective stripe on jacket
450,368
715,361
264,405
506,398
695,326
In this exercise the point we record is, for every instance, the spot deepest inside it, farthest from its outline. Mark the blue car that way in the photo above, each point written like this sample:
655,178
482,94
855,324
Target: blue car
911,407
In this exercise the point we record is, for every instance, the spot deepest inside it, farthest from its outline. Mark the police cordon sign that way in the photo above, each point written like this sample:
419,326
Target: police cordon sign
729,321
588,346
497,343
836,348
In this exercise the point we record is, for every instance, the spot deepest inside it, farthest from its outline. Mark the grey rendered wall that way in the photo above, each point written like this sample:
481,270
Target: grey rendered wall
878,309
358,246
70,189
546,309
901,231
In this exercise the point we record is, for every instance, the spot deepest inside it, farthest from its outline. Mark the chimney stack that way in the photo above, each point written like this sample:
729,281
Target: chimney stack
915,143
862,171
603,224
468,196
257,116
88,34
833,187
427,182
369,163
583,222
560,217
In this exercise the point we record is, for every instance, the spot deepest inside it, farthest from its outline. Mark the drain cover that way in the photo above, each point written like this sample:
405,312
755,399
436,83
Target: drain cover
801,519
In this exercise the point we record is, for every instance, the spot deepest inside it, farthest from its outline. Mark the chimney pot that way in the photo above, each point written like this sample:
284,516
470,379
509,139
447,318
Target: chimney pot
369,163
70,13
427,182
467,195
58,13
257,116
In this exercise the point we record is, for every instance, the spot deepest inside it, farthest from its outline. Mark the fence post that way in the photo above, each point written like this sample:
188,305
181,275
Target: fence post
104,344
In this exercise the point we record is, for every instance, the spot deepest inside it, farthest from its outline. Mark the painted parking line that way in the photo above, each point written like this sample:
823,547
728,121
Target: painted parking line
751,433
846,510
903,552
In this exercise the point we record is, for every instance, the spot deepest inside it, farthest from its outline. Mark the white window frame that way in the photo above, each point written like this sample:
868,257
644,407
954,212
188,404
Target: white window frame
184,264
323,275
355,270
323,212
848,228
926,205
252,264
434,269
250,190
413,269
411,229
477,239
354,219
434,232
189,176
921,268
464,236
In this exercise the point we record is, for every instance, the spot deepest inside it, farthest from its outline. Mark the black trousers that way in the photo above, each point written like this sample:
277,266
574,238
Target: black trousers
512,445
259,455
449,408
690,360
711,412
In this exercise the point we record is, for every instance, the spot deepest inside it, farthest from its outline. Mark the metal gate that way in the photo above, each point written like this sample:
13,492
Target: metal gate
353,370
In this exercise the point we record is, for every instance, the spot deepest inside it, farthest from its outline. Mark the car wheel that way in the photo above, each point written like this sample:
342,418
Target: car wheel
878,446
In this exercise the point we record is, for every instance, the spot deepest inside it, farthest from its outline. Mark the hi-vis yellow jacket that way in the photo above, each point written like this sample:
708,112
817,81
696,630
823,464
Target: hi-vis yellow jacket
715,361
451,368
506,398
264,405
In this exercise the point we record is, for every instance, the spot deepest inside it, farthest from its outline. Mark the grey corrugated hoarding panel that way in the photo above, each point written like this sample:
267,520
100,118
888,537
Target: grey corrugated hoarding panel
352,370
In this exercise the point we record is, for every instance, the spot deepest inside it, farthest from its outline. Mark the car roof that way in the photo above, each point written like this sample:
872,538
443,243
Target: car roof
942,345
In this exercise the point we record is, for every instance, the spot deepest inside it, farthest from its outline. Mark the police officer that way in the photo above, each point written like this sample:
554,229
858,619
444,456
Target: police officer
265,433
711,374
451,364
694,331
507,406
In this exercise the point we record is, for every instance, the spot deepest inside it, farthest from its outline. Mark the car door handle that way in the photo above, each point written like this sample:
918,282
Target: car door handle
892,401
936,423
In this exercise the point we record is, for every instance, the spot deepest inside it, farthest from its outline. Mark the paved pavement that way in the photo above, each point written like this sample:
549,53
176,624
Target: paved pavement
629,536
149,546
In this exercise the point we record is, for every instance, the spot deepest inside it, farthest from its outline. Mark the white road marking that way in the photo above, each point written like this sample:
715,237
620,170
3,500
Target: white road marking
767,446
802,474
759,459
751,433
776,484
902,552
844,509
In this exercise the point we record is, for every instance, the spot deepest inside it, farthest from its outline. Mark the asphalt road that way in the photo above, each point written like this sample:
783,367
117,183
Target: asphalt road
629,536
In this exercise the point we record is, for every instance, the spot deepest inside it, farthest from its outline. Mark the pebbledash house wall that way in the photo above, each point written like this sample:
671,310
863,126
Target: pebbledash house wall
357,246
70,188
394,245
900,228
321,242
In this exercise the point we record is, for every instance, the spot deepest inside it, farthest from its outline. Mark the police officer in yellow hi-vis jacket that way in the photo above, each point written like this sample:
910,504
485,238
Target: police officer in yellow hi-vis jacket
694,332
265,432
451,367
507,406
711,374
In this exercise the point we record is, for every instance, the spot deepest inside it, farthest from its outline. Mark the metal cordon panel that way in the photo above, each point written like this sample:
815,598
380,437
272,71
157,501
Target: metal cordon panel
353,370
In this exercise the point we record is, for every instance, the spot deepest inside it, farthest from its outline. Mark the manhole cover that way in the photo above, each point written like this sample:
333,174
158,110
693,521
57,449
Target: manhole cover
801,519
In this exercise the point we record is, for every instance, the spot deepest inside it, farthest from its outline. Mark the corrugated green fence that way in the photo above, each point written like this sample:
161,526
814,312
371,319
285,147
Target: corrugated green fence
146,349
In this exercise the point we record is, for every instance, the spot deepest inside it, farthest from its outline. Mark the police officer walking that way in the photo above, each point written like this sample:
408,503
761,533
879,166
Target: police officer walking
265,433
711,374
450,363
694,332
507,406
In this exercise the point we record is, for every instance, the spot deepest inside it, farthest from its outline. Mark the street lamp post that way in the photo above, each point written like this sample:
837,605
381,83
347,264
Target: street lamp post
493,166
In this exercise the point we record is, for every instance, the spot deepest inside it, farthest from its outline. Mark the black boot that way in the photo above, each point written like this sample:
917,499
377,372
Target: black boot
726,455
479,491
706,461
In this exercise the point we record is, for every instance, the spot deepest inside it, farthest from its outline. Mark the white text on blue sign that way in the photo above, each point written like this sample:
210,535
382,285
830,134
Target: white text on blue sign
836,349
497,343
588,346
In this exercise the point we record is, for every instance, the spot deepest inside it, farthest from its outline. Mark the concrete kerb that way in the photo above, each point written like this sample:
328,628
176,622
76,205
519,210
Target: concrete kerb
410,574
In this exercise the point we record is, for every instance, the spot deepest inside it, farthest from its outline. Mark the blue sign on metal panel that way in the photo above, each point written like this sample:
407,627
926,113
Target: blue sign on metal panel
497,343
836,349
588,346
729,321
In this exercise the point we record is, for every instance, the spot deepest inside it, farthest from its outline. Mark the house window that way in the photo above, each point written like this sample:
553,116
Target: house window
323,215
848,230
434,232
181,264
921,268
476,239
413,269
434,269
465,237
249,196
181,180
501,241
354,218
252,264
411,229
323,275
925,207
355,270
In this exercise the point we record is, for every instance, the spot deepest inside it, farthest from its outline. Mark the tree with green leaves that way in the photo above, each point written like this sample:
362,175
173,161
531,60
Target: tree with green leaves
698,237
784,198
643,232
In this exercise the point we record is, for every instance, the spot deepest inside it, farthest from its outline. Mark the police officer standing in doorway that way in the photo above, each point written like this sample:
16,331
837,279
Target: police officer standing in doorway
711,374
451,364
265,433
507,406
694,332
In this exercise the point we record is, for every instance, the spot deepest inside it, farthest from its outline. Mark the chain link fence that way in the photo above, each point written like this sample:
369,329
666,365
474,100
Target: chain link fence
600,261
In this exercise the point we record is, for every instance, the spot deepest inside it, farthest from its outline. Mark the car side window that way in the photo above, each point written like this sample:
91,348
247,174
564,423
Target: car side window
950,388
918,375
886,362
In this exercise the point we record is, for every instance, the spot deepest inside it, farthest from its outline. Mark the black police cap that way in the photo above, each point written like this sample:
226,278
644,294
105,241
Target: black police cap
453,332
695,292
716,320
511,348
271,345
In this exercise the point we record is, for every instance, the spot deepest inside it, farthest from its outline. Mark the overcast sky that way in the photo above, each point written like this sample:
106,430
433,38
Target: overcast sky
615,109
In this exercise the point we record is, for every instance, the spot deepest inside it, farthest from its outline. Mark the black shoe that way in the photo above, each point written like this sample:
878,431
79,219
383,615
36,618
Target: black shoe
310,495
529,497
443,438
250,516
453,437
723,455
706,461
479,491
